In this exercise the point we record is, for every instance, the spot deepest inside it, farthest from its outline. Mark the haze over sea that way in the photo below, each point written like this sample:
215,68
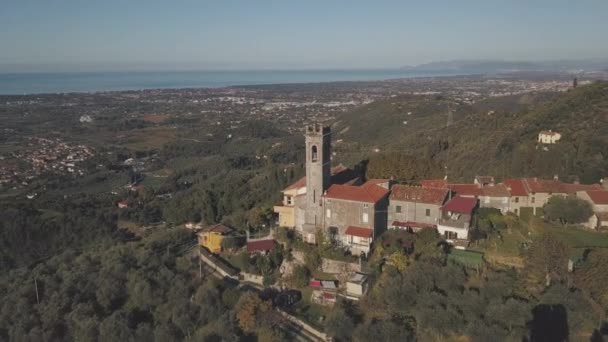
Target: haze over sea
64,82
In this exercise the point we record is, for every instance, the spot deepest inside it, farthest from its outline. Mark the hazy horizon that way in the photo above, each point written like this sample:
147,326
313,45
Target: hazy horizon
70,35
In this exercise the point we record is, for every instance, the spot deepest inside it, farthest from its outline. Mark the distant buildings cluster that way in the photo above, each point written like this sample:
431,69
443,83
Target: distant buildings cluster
43,156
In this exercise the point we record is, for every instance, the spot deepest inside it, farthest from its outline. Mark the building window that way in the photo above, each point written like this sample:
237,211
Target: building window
328,213
398,209
365,218
532,200
288,200
516,212
313,153
516,199
450,235
365,206
428,212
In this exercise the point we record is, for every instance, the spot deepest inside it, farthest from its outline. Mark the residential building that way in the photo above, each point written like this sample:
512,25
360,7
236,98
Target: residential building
456,217
354,215
490,195
519,195
597,198
413,207
211,237
548,137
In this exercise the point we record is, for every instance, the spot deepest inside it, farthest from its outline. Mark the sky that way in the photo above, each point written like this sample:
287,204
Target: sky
80,35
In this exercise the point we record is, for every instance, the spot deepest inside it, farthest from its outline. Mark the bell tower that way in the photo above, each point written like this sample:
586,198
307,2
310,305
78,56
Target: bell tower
318,150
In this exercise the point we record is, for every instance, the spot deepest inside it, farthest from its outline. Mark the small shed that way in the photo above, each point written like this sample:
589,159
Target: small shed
356,286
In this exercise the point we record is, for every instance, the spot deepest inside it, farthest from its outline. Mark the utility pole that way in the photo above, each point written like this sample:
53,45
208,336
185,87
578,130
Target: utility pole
36,286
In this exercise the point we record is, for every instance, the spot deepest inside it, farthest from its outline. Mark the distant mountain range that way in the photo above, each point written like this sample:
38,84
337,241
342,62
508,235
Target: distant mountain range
497,66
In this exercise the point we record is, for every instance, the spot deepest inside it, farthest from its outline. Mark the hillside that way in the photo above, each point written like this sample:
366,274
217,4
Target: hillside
496,136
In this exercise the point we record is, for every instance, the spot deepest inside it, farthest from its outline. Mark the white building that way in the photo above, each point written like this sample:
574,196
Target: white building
548,137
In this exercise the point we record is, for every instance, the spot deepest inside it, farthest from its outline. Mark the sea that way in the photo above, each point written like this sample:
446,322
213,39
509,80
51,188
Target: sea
67,82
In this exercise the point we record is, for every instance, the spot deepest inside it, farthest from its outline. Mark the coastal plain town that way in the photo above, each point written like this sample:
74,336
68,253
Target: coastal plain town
343,199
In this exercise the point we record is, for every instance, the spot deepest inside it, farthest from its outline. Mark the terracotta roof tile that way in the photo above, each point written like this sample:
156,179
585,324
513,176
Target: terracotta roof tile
573,188
335,171
260,246
359,231
368,192
418,194
598,196
466,189
498,190
464,205
434,183
544,186
516,187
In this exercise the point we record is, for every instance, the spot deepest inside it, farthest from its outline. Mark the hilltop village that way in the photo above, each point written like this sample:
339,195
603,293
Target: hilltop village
353,212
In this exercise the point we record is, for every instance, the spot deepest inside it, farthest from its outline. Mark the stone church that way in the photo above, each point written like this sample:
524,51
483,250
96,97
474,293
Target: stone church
333,200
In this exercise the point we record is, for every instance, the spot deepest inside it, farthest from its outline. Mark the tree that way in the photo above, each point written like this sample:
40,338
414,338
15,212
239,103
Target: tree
546,260
568,209
592,275
399,260
114,328
299,276
250,311
385,330
313,259
339,324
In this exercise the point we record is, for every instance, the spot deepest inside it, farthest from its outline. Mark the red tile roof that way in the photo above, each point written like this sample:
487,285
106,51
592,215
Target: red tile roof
544,186
466,189
498,190
434,183
464,205
573,188
300,183
516,187
598,196
418,194
359,231
368,192
260,246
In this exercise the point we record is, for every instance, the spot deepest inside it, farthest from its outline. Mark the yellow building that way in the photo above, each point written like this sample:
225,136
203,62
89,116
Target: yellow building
286,210
211,237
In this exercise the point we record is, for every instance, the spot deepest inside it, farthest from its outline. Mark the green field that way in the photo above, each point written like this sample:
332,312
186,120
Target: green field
466,258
